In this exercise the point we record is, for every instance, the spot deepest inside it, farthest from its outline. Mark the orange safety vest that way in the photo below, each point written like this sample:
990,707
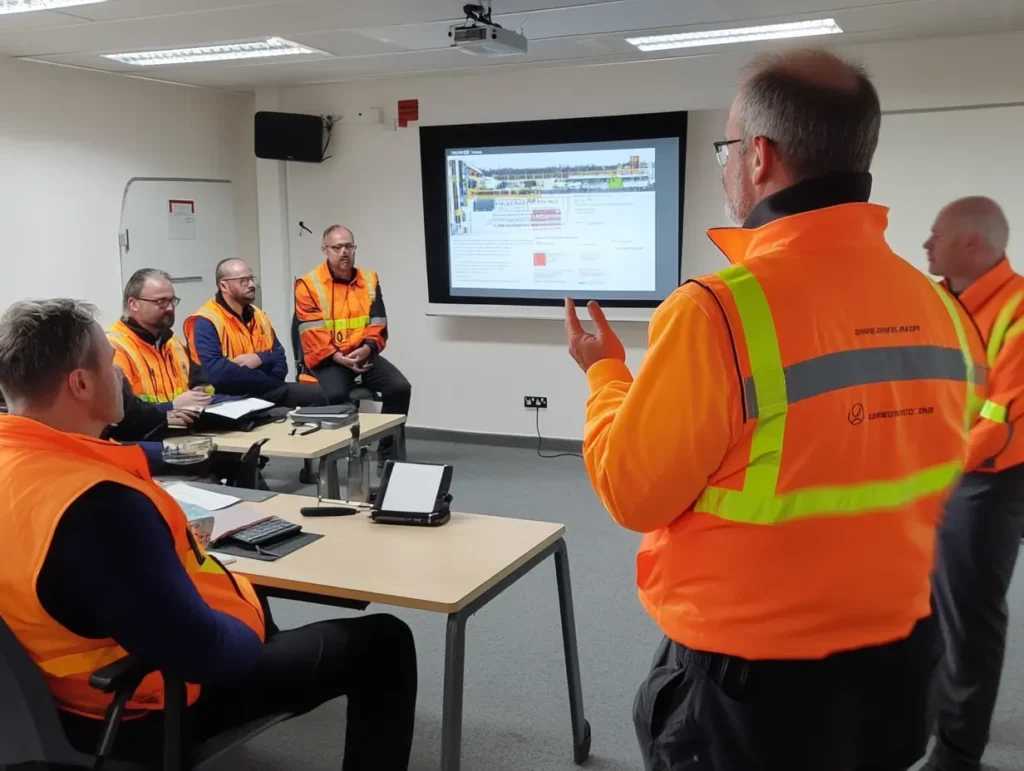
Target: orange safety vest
156,375
337,316
35,498
236,337
858,381
996,303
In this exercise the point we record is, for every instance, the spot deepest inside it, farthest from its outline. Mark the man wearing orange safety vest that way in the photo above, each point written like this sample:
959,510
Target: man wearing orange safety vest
154,361
101,564
236,344
343,328
786,447
984,521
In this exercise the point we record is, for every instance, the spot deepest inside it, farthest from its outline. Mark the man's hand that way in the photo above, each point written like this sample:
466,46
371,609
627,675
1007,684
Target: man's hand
181,419
248,360
588,349
195,400
346,361
360,354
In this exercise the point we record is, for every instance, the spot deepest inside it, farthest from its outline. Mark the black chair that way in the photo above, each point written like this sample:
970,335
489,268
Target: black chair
356,395
31,731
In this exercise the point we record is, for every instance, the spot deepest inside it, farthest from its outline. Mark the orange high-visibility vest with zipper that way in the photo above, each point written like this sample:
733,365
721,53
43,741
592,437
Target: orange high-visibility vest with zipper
156,375
42,472
236,337
335,316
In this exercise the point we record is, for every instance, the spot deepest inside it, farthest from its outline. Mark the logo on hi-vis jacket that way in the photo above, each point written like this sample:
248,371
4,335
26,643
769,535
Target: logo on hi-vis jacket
856,414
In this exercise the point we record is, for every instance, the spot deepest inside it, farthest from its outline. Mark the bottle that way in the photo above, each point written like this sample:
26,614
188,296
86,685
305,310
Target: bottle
358,470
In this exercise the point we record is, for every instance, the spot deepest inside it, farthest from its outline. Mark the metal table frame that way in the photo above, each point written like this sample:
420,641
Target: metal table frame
455,652
328,483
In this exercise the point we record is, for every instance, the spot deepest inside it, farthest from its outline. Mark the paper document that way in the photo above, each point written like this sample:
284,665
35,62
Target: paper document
234,519
198,497
223,559
238,409
412,488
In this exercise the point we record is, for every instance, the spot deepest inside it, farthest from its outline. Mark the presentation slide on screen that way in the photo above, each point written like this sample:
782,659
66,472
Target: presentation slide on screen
590,219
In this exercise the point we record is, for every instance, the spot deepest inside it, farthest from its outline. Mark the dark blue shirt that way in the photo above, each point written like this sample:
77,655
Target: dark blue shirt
112,572
230,378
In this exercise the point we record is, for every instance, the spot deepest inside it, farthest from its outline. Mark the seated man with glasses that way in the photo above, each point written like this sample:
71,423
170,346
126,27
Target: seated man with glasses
235,343
343,328
155,363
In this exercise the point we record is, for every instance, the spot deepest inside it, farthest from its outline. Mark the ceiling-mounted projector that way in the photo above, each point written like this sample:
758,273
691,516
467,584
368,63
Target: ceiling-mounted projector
482,36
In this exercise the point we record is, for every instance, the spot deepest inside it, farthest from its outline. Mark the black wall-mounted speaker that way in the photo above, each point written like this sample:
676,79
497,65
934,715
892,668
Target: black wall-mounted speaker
286,136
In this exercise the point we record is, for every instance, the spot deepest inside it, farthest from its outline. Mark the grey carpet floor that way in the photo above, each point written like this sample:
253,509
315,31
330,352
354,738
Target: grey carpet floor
516,704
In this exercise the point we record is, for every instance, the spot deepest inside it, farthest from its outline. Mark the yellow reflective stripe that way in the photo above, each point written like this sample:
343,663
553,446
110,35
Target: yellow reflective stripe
1002,323
769,379
973,399
321,292
995,412
355,322
306,326
1014,331
742,506
81,663
370,279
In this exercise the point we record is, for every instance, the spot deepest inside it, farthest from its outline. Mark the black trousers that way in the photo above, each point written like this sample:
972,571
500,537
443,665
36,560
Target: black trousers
862,710
977,551
296,395
383,377
370,659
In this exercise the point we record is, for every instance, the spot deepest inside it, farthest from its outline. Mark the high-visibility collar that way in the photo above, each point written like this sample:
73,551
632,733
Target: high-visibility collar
355,281
858,222
28,433
247,314
977,295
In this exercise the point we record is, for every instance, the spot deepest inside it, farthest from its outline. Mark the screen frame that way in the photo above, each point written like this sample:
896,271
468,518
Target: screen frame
435,141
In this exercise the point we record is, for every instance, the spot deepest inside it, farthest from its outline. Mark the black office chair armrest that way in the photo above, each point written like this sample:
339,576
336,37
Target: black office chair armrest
122,674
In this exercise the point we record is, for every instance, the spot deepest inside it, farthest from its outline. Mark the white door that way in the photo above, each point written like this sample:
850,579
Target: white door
182,226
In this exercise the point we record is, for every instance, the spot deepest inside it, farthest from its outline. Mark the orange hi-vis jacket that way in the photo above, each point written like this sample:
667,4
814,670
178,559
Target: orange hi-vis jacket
157,374
34,500
787,445
337,316
236,337
996,303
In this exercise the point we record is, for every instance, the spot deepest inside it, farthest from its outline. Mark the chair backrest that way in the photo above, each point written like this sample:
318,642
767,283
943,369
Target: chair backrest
30,728
300,359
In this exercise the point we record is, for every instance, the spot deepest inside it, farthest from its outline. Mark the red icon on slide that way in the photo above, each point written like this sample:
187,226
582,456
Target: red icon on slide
540,259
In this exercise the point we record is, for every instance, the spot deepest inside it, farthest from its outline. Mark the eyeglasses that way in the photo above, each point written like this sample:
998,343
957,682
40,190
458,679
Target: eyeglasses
243,280
339,248
722,149
163,303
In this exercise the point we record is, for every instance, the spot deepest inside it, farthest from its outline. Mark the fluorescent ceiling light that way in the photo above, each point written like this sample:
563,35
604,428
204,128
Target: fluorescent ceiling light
259,49
714,37
23,6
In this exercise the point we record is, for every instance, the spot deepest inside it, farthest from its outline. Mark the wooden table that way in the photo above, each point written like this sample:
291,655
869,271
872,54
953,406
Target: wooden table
326,445
455,569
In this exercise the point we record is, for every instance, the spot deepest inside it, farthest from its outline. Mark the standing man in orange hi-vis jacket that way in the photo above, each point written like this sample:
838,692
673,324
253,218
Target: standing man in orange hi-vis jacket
797,422
343,327
984,521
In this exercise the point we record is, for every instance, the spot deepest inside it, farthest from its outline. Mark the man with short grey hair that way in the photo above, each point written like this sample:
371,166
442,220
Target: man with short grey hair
784,455
99,562
981,531
154,360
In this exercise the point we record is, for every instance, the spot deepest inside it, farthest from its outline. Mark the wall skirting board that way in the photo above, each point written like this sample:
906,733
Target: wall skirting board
497,440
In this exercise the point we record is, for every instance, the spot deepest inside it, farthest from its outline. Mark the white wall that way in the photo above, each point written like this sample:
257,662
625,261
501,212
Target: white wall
471,374
69,142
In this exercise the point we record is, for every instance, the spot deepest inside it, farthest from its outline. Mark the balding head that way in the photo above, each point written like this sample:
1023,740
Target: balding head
800,114
968,238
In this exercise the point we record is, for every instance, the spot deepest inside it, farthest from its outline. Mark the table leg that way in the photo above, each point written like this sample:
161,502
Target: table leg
400,444
454,671
327,484
580,726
